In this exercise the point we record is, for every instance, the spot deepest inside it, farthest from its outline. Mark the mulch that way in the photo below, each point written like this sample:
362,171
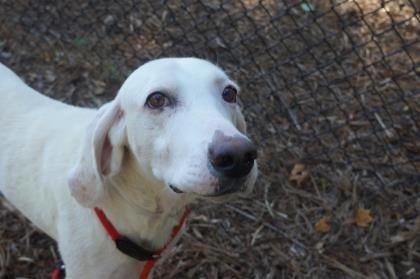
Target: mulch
330,90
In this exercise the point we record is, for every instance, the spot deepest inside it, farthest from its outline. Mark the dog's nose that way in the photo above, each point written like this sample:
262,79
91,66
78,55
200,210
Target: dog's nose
232,157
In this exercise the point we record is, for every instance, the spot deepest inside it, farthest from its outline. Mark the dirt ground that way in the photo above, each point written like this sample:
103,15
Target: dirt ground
331,93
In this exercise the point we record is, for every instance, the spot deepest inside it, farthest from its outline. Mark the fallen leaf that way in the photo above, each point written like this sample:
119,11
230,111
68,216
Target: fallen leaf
322,226
363,217
299,174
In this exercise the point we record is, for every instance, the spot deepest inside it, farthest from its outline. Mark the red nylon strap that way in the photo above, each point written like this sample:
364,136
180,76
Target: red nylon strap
57,273
175,230
114,234
108,226
147,269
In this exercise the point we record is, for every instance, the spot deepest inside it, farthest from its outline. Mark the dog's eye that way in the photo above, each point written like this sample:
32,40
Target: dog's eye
157,100
229,94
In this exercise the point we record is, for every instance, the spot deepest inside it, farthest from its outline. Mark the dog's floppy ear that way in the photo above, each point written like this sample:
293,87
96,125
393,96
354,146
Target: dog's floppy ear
101,156
240,120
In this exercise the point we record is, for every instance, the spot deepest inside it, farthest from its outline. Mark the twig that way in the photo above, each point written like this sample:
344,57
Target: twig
352,273
268,225
382,124
375,256
266,202
214,249
390,269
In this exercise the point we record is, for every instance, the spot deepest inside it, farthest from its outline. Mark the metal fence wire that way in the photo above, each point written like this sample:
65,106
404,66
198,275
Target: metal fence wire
329,88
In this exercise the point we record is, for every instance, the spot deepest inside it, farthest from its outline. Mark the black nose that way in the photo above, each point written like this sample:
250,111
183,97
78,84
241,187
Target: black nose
232,157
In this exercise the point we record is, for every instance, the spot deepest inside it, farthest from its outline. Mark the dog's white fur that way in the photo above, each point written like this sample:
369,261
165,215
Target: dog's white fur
58,161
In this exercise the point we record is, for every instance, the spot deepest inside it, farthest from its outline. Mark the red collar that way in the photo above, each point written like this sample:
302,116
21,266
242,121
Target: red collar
128,247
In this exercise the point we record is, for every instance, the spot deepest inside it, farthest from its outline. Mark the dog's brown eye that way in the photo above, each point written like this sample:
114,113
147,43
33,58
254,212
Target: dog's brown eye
157,100
229,94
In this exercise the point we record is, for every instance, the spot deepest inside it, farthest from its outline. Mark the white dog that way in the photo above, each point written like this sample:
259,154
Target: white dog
173,133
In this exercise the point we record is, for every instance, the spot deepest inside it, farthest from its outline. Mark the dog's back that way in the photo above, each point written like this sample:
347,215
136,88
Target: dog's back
16,96
35,132
7,77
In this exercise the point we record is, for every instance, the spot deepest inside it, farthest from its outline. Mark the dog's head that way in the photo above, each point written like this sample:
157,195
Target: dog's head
179,119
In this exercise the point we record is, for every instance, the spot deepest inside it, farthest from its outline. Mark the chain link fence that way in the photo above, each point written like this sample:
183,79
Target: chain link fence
331,93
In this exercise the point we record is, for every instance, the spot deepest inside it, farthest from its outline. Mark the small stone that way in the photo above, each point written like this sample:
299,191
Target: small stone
50,76
99,87
109,20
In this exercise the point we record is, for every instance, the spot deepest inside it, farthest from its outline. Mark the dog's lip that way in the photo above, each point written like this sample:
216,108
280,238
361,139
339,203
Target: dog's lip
225,192
175,189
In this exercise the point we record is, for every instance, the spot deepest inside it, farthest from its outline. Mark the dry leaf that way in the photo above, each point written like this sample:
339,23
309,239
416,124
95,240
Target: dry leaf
322,226
363,217
299,174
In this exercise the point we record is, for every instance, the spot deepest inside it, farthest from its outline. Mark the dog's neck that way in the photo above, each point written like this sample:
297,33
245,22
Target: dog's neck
142,210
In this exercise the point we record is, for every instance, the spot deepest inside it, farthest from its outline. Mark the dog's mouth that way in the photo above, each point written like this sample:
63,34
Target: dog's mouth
223,192
175,189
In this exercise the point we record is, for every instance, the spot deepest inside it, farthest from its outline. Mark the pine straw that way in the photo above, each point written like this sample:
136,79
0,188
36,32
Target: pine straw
334,90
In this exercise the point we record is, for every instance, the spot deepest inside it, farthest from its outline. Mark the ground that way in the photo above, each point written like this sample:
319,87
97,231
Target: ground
330,90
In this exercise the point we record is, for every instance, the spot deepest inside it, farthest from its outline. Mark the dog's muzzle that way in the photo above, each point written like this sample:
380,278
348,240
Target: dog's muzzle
231,159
